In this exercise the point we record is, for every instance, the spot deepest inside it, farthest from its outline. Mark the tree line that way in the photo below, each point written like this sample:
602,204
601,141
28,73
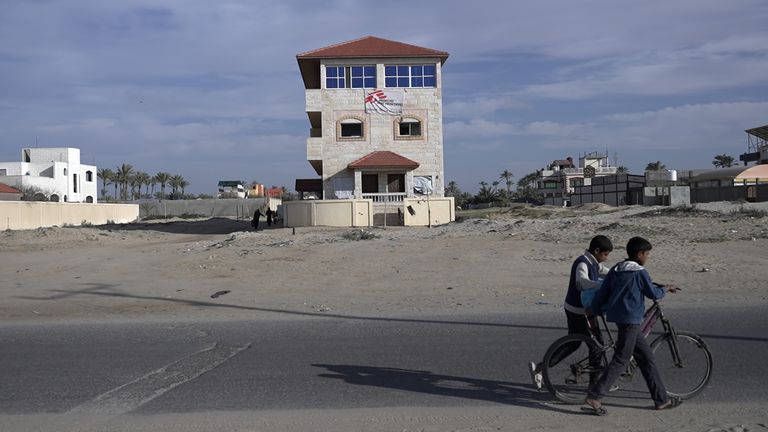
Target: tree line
129,182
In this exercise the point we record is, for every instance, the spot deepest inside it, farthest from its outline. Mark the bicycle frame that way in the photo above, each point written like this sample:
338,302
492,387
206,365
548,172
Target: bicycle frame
652,315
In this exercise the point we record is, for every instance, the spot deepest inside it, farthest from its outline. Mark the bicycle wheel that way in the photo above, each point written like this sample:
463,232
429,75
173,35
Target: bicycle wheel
570,364
692,374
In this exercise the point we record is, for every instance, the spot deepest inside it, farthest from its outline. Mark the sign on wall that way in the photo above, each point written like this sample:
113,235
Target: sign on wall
384,102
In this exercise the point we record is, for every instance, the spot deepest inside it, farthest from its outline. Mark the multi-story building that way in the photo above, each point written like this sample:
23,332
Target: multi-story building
55,173
557,182
375,114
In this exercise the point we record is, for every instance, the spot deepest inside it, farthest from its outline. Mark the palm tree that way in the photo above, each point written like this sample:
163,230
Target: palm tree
162,178
142,179
487,194
453,189
175,183
152,182
507,176
723,161
107,176
655,166
183,184
124,174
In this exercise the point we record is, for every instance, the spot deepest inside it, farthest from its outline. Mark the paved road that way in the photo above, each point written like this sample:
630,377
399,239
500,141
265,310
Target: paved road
328,362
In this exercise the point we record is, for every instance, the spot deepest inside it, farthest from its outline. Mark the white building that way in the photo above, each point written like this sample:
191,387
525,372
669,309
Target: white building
231,189
557,182
376,123
55,172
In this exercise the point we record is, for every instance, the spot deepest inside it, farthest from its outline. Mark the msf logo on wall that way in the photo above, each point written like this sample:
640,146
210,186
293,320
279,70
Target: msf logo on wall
384,102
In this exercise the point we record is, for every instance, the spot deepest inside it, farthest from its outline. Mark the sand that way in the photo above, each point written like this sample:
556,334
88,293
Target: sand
516,259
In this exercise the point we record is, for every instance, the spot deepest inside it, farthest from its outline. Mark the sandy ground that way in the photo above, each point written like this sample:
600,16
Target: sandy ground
516,260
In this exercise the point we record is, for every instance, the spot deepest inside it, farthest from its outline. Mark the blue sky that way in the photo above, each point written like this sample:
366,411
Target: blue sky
211,90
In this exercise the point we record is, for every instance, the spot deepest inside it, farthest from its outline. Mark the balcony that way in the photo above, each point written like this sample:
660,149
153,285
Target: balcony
314,100
382,198
314,148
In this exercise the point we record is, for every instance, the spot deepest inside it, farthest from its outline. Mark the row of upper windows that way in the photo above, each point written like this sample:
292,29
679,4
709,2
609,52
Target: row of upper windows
408,76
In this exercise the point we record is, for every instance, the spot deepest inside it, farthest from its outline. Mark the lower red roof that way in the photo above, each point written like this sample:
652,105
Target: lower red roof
383,159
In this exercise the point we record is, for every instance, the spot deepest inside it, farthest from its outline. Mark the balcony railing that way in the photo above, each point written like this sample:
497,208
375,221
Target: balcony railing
385,197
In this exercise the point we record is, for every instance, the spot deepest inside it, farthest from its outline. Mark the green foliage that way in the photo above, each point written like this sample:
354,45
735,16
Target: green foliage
655,166
723,161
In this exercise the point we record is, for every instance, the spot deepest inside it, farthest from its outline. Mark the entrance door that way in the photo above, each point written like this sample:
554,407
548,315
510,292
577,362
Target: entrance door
370,183
396,183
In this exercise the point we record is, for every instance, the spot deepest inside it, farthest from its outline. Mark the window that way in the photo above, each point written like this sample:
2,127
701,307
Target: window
350,77
577,182
363,76
74,182
551,185
351,128
409,127
410,76
89,176
335,77
3,172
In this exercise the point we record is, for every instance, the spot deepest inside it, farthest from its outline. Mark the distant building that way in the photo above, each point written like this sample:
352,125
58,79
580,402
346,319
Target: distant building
55,173
255,191
560,178
376,125
231,189
731,184
757,143
8,193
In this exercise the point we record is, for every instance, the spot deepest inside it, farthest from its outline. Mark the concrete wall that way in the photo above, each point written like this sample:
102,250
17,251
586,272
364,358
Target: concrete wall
754,193
423,212
17,215
342,213
242,208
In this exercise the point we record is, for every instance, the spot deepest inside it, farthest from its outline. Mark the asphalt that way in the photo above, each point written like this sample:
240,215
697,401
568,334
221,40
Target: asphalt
330,362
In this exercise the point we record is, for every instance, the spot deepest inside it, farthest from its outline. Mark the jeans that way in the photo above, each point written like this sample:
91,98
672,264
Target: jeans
629,342
577,323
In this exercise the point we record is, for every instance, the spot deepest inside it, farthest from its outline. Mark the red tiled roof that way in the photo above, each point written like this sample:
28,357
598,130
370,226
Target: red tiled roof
4,188
383,159
371,46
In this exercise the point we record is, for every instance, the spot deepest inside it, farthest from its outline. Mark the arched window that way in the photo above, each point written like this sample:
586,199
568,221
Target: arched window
351,128
89,176
54,198
89,199
409,127
65,171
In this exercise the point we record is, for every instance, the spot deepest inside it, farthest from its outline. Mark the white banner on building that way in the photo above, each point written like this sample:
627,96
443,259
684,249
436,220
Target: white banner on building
422,185
384,102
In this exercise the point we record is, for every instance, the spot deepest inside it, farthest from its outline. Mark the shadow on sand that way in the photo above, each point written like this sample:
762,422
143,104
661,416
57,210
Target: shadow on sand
205,226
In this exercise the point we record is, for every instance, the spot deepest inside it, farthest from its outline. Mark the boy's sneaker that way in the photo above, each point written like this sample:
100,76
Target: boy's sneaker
535,375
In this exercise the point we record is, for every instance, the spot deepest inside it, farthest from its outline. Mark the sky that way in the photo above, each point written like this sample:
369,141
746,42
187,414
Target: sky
211,90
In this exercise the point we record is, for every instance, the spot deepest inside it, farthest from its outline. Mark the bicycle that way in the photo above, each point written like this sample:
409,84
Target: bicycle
575,360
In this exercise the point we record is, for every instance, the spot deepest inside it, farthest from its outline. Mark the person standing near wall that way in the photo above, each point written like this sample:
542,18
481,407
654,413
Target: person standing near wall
255,221
269,216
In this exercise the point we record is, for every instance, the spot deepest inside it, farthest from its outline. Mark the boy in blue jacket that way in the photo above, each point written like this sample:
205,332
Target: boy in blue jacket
622,297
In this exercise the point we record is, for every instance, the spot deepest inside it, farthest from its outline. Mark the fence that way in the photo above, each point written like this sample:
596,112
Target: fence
235,208
18,215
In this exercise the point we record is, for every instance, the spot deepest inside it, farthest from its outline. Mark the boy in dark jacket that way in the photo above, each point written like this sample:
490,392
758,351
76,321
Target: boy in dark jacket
585,272
622,297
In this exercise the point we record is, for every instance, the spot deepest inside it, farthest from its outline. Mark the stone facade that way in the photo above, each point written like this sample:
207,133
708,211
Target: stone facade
331,153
